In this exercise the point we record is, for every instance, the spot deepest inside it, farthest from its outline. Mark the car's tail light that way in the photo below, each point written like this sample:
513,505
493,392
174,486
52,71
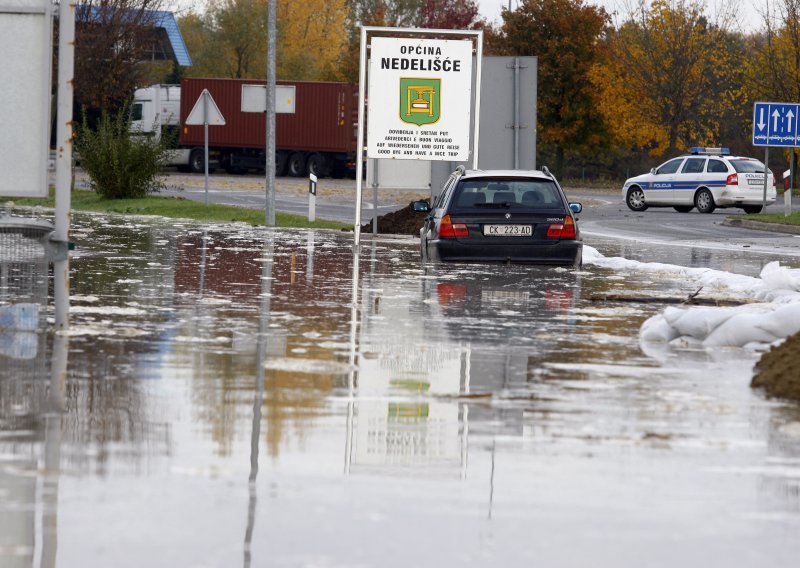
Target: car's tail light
449,229
733,179
449,292
565,230
557,299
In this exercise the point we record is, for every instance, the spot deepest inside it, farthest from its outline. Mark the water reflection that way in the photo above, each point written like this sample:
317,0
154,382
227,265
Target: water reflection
217,380
32,401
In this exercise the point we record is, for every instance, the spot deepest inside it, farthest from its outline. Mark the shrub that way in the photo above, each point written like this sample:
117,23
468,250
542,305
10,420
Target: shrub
121,165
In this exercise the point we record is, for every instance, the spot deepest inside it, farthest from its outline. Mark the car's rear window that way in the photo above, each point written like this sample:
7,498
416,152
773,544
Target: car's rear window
747,166
514,192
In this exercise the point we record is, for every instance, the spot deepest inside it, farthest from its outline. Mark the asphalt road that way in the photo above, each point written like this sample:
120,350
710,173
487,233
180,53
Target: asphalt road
606,215
335,198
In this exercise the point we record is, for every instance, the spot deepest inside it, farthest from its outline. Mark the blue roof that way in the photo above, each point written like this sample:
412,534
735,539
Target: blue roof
160,19
166,20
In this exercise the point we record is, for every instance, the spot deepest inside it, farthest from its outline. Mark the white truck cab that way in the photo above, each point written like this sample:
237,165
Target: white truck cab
158,108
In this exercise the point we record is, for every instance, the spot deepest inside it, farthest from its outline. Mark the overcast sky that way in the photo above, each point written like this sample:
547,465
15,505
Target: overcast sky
748,9
490,9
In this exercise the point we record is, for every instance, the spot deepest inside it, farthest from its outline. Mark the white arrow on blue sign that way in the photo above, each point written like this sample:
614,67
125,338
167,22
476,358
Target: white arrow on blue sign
776,124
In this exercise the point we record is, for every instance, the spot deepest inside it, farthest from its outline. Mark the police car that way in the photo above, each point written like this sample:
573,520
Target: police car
707,178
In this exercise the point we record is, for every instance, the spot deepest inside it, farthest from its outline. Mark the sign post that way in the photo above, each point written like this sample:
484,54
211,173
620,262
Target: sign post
766,179
787,193
420,95
312,198
255,98
776,124
205,112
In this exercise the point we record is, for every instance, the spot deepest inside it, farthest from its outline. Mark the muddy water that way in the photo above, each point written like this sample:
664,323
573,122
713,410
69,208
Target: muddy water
228,397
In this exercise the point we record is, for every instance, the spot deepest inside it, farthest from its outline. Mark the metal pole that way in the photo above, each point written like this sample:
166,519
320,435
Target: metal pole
66,67
766,178
360,141
205,137
270,166
375,183
516,112
787,195
476,132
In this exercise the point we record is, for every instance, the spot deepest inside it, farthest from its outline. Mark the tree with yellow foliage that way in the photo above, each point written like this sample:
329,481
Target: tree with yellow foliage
670,77
230,39
311,37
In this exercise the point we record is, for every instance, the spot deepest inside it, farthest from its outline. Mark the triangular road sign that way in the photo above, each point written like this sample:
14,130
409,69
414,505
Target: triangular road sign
199,117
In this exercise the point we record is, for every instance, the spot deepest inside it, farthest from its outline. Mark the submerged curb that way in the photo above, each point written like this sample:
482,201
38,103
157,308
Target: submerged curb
761,226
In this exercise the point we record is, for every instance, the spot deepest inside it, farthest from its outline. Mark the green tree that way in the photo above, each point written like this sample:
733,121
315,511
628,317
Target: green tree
119,165
239,34
565,36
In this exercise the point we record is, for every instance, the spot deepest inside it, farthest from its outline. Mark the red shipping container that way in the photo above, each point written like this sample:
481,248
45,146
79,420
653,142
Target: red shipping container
325,117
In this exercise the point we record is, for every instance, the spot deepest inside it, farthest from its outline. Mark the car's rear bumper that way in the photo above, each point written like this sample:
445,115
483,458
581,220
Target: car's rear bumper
735,198
558,253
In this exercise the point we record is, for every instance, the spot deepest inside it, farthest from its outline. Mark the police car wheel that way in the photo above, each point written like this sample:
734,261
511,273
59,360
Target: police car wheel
635,199
704,201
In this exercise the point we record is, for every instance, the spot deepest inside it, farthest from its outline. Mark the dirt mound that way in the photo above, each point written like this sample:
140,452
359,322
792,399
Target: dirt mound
406,221
778,371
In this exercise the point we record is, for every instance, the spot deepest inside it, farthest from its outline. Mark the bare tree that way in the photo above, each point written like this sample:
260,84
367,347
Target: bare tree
112,39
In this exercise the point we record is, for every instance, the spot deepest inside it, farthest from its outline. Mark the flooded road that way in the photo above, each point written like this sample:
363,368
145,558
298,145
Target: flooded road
235,397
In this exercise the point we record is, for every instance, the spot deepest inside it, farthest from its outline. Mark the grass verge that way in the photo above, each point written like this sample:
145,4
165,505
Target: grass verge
779,218
179,208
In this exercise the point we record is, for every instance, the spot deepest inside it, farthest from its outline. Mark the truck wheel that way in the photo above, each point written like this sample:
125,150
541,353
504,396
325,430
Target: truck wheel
280,164
318,165
338,171
197,161
296,166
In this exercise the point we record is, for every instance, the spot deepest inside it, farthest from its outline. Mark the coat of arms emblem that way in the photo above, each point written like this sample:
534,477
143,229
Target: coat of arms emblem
420,100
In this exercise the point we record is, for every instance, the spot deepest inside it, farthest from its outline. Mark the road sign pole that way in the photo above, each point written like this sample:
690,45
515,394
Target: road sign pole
766,179
787,194
270,113
205,137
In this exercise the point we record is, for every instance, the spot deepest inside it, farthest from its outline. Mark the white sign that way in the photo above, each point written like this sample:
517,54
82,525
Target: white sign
420,92
25,53
254,98
205,111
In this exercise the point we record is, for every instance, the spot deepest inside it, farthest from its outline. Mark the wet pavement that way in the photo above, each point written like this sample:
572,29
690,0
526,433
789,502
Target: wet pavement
234,396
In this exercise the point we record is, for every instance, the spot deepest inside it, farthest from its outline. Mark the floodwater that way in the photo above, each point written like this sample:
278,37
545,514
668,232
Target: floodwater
238,397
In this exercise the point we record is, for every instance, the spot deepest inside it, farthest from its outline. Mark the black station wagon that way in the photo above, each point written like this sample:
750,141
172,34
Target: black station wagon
501,216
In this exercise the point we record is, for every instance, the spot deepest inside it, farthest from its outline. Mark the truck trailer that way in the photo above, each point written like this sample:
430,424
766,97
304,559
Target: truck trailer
320,137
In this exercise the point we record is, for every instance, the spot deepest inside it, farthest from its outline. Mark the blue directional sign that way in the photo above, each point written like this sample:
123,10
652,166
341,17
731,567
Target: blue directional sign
776,124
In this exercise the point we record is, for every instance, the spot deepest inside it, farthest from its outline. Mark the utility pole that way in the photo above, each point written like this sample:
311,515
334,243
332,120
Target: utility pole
270,165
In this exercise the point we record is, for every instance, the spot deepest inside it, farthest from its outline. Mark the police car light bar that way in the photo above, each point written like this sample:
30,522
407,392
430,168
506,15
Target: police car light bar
715,151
